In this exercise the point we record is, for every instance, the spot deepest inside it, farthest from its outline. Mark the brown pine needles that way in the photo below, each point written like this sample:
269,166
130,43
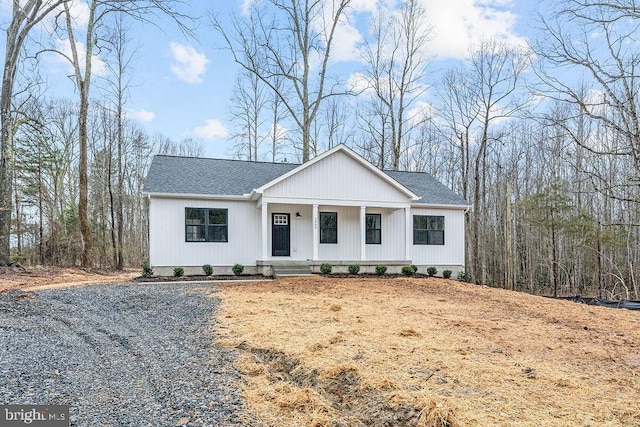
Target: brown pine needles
428,352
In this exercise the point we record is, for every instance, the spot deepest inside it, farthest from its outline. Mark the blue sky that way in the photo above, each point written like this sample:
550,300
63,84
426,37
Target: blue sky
181,86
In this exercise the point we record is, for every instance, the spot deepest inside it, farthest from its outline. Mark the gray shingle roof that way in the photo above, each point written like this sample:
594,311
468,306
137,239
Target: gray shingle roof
428,188
190,175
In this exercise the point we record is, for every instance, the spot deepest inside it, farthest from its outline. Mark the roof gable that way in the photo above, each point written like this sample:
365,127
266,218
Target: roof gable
324,175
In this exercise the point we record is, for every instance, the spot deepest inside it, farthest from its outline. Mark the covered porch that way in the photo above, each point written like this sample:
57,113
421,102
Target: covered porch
368,234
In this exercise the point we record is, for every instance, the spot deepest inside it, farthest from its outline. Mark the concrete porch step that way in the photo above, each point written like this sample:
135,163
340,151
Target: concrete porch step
291,270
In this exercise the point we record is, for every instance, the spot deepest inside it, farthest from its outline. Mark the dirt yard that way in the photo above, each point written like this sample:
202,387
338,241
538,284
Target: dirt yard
426,352
429,352
54,277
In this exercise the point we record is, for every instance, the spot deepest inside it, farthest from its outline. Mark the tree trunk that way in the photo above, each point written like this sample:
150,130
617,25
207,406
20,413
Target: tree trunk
83,202
120,211
112,214
554,258
6,157
18,208
83,83
120,204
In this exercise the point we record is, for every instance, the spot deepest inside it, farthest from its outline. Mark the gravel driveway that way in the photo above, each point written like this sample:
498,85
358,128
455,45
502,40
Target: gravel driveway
127,354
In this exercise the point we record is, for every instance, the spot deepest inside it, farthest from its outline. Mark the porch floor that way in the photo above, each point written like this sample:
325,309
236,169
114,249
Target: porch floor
289,267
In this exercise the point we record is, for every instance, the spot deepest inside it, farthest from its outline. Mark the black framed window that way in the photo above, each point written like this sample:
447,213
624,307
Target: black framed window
373,229
428,230
206,225
328,227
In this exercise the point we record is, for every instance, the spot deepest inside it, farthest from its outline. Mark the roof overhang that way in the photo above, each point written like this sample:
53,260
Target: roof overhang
466,208
195,196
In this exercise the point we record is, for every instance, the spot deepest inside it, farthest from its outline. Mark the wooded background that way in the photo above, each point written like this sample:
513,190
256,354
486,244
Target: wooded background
543,140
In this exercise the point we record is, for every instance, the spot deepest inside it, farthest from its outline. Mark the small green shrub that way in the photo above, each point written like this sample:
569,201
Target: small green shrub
463,276
381,269
147,270
447,274
237,269
407,270
414,267
17,257
432,271
354,268
325,268
178,272
207,269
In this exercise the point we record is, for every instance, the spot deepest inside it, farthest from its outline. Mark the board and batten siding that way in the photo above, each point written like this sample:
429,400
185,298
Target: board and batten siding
392,236
449,254
301,237
348,246
338,177
167,240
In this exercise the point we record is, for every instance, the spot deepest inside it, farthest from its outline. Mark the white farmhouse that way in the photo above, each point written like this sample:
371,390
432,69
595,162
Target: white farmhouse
272,217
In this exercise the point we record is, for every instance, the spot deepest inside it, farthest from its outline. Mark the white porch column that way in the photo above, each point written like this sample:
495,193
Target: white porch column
363,233
316,233
265,231
408,238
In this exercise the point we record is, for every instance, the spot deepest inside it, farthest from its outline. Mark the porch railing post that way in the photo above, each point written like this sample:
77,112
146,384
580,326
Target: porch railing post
407,235
363,233
265,231
316,233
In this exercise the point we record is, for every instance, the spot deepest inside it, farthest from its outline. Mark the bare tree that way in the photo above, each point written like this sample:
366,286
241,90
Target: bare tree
187,147
608,63
24,17
119,68
475,99
247,110
459,108
396,71
277,133
82,75
338,122
99,12
290,40
373,123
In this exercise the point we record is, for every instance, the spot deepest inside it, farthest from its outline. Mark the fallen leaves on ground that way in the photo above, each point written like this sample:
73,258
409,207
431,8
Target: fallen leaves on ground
34,278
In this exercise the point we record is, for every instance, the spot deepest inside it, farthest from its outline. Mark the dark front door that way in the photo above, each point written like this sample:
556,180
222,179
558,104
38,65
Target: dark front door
280,236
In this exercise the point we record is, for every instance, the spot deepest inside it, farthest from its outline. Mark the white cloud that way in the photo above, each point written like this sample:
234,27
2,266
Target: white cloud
420,111
98,66
346,38
79,13
188,64
213,128
359,83
346,41
457,24
246,6
281,132
142,115
364,5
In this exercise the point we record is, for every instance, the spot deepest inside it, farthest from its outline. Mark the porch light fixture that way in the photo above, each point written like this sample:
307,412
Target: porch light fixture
298,215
